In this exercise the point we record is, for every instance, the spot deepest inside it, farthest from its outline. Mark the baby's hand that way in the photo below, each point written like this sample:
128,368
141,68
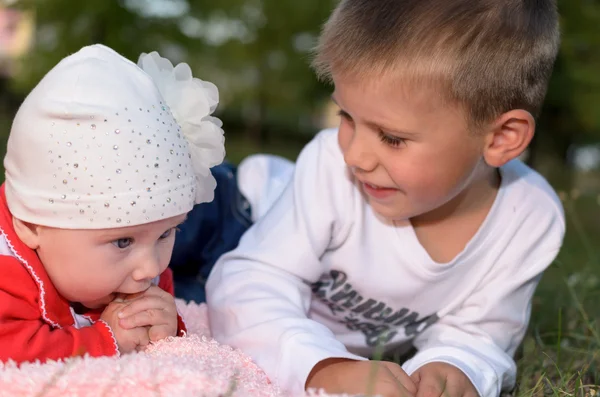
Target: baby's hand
153,308
441,379
339,376
128,340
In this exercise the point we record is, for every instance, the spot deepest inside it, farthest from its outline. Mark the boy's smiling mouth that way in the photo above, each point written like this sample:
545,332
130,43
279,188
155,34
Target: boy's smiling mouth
378,192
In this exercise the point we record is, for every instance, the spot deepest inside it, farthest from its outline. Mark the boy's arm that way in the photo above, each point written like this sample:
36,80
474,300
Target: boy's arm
259,294
24,336
166,283
481,336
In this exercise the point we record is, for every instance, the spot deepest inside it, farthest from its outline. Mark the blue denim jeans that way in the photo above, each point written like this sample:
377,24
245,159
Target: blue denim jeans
211,229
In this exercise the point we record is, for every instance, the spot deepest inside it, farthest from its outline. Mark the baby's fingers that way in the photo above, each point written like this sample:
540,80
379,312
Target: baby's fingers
142,304
131,340
145,318
143,340
163,331
141,337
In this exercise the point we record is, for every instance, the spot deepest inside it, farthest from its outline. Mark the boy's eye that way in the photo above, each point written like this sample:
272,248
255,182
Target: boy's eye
390,139
123,243
344,115
166,234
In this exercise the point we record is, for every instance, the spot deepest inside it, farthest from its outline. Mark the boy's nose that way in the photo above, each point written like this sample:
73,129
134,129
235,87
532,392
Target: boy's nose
358,155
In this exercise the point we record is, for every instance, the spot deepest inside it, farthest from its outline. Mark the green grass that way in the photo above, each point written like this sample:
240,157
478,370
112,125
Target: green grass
561,352
560,355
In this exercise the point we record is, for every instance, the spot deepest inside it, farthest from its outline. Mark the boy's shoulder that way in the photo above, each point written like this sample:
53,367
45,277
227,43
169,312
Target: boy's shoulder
322,155
531,203
524,183
326,141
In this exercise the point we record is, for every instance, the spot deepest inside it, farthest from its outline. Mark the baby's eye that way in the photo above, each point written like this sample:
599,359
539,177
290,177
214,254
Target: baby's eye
123,243
166,234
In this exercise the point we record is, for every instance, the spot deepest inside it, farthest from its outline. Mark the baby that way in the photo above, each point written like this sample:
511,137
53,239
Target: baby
105,159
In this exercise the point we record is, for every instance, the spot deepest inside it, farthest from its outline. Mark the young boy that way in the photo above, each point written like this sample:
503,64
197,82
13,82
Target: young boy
414,223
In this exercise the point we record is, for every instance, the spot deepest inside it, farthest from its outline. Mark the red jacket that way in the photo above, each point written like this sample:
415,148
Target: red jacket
35,321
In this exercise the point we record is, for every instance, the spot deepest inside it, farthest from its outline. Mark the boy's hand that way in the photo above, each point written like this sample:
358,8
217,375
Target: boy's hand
128,340
339,376
442,380
153,308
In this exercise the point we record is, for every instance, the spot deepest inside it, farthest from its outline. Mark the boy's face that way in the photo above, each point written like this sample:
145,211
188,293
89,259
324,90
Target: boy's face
409,153
92,266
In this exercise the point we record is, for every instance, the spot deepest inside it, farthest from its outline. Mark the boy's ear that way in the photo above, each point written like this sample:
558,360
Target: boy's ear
508,137
27,232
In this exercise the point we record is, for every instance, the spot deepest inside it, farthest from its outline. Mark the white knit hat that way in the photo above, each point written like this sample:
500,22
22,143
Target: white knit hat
101,143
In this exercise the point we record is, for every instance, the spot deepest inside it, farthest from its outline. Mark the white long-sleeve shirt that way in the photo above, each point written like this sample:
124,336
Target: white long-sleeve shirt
321,276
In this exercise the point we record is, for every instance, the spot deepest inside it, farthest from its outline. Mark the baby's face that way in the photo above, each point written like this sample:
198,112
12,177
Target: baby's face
92,266
409,151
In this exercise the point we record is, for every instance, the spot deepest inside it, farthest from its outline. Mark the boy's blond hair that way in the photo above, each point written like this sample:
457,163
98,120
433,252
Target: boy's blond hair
490,56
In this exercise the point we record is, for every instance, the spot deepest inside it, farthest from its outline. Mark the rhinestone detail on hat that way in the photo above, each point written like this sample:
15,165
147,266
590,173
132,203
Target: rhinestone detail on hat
174,156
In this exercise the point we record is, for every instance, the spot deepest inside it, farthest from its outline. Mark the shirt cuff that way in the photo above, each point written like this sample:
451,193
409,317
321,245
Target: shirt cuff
484,376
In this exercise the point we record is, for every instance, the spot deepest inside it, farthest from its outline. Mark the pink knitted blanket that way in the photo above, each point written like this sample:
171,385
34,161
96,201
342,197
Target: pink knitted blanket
194,365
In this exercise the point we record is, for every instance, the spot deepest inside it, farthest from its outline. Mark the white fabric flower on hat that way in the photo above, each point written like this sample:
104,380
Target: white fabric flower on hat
191,101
